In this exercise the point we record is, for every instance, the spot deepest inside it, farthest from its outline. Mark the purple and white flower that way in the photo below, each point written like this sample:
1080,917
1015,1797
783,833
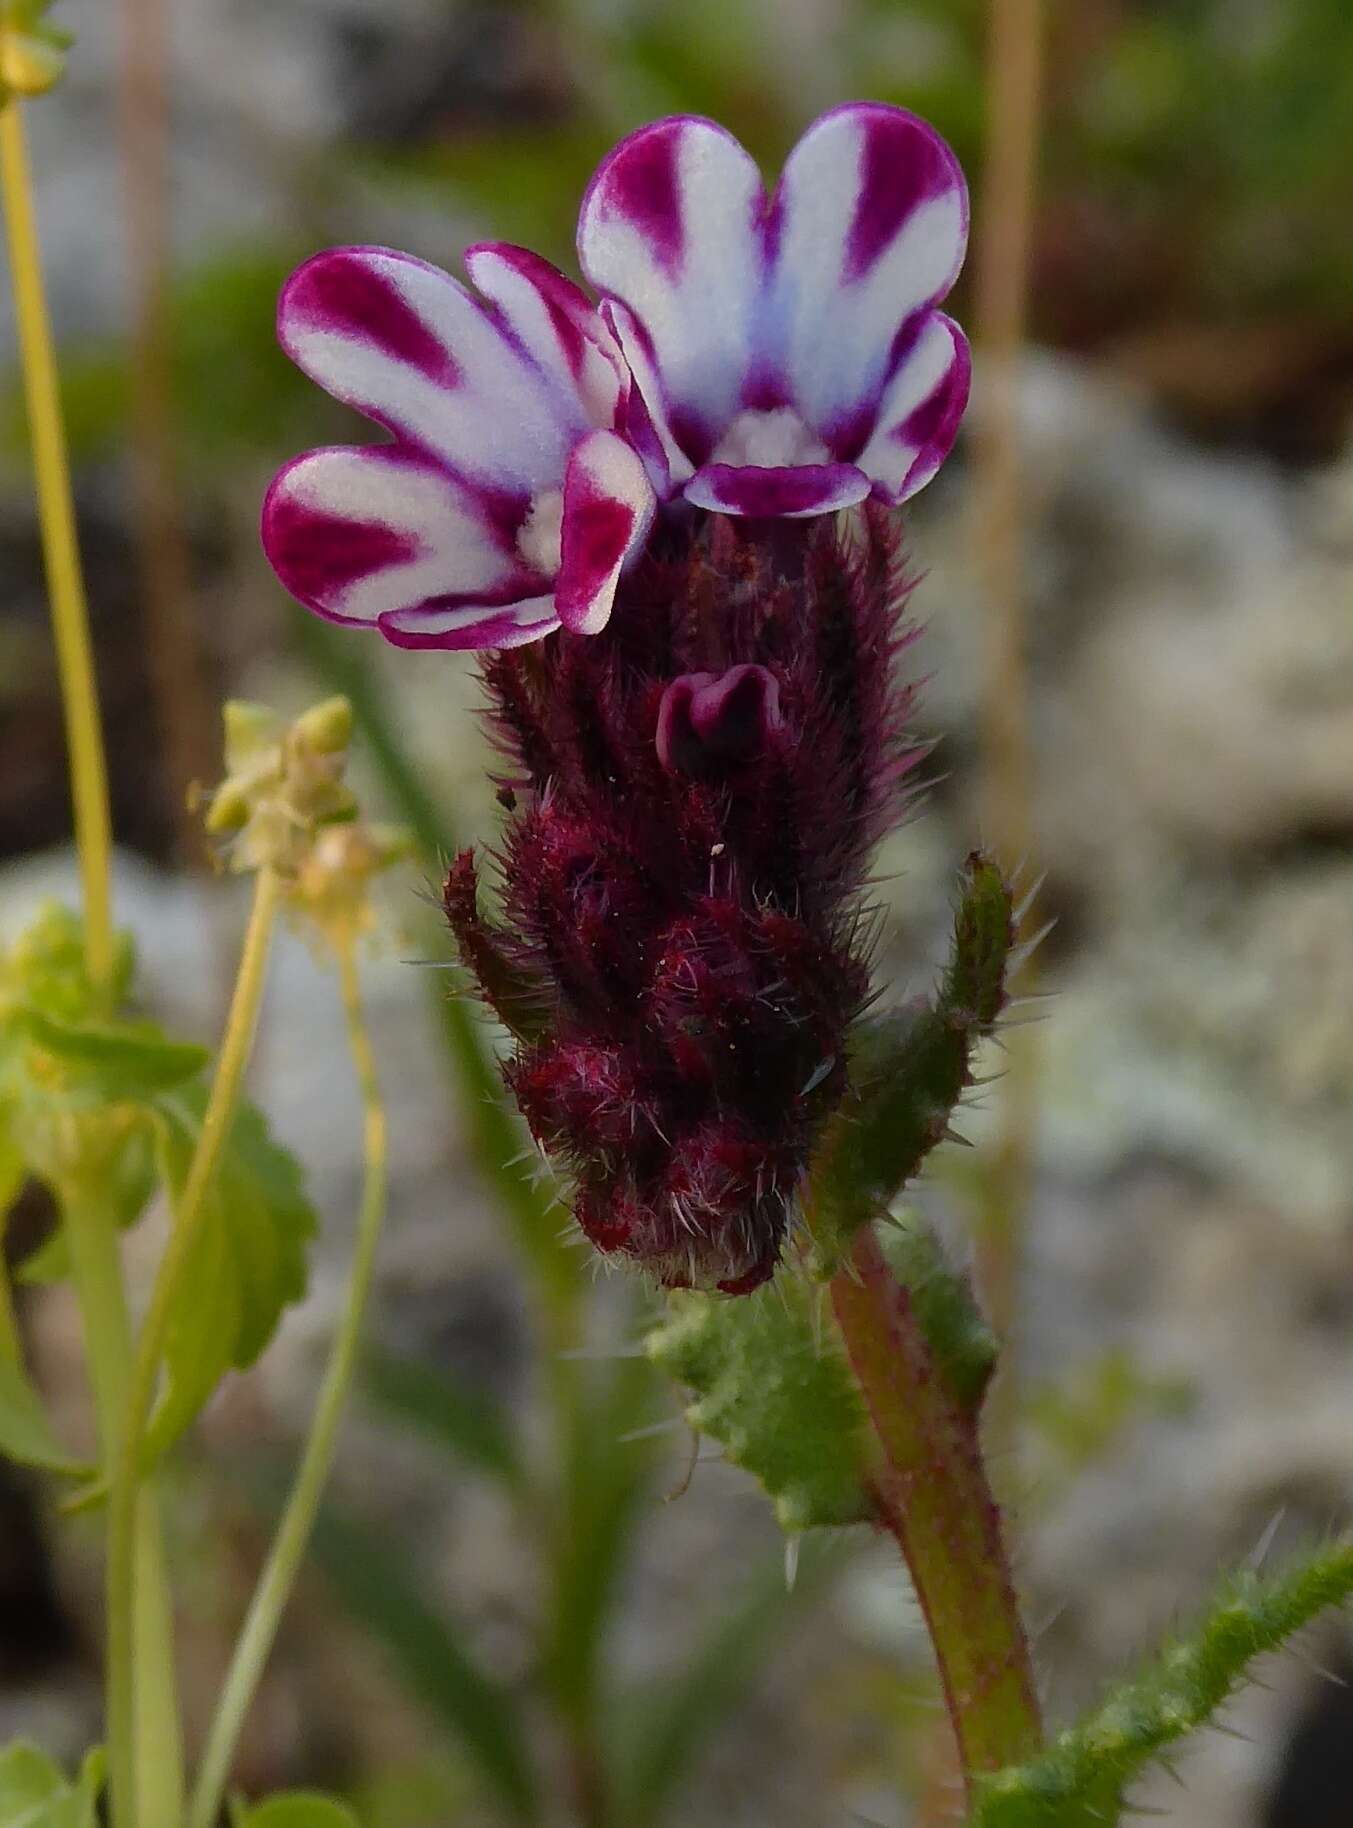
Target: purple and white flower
509,501
788,348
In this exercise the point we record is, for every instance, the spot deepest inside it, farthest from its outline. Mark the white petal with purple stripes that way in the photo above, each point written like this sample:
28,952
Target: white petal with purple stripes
871,217
472,625
360,534
408,346
557,326
671,227
607,510
920,411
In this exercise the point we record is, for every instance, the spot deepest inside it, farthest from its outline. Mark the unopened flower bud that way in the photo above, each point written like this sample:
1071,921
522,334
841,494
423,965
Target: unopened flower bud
249,730
326,728
228,811
32,53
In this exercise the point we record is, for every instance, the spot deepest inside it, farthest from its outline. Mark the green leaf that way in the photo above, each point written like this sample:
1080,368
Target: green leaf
295,1809
249,1263
25,1433
1079,1782
772,1384
467,1423
34,1792
943,1301
383,1596
662,1738
116,1061
909,1071
75,1081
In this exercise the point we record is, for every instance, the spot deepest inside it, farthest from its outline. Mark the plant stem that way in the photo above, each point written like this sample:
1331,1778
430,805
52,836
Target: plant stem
934,1497
279,1574
61,553
133,1415
152,1747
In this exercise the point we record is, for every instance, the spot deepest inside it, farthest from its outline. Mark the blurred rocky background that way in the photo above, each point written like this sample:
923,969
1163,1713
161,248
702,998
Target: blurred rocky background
1185,1313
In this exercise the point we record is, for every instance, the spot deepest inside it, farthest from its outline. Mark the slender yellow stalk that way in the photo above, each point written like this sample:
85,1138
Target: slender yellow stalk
1003,259
124,1475
279,1575
154,1747
61,554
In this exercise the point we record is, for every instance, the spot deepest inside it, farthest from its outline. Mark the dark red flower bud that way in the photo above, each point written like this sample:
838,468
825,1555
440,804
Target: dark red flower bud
696,793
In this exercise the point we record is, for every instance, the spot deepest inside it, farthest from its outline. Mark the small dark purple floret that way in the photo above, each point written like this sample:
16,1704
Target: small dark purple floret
696,793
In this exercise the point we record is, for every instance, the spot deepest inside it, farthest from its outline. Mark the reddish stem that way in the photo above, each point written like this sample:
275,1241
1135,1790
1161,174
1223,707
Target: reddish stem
934,1497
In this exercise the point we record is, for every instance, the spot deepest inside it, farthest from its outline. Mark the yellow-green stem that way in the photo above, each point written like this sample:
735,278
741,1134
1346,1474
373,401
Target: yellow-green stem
124,1476
152,1746
61,553
284,1559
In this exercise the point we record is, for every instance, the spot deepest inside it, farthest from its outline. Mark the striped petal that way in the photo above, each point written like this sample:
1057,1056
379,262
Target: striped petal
408,346
363,534
920,413
608,508
870,224
472,625
672,228
555,323
787,493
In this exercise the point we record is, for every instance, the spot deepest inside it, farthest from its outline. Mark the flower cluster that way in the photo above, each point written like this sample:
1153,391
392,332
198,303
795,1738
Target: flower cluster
696,786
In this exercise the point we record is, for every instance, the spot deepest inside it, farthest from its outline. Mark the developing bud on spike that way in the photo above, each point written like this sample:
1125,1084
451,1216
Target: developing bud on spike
696,792
32,52
283,784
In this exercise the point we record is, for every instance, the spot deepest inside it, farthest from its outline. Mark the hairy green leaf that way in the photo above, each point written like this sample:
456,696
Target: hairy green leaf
772,1384
26,1435
35,1793
379,1591
295,1809
1079,1782
248,1265
943,1301
909,1071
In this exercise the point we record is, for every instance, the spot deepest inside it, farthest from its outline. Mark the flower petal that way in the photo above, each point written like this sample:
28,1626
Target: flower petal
788,493
672,227
870,223
608,508
472,625
359,533
408,346
919,416
555,323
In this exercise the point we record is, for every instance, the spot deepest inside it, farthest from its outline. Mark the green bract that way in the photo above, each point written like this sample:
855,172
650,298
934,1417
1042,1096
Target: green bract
910,1069
772,1384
